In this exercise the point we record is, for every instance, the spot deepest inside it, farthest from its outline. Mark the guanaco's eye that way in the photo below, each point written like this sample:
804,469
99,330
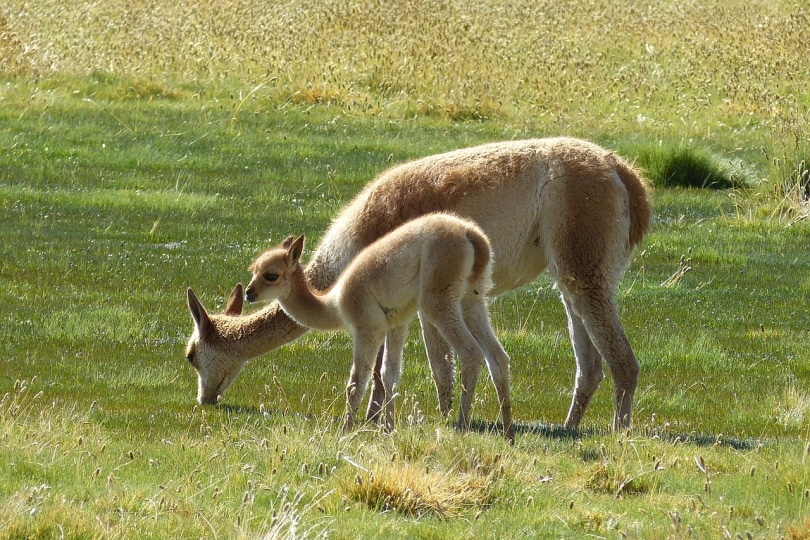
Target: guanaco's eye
271,278
190,355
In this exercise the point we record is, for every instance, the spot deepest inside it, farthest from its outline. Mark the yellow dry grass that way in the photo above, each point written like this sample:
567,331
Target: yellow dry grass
656,61
415,490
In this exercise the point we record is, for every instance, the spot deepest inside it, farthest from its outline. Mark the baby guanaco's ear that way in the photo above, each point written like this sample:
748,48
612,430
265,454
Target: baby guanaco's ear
295,250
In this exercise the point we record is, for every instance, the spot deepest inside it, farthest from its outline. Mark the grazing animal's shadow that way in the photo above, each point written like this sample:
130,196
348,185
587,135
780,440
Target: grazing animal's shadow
553,431
706,439
558,432
243,410
550,431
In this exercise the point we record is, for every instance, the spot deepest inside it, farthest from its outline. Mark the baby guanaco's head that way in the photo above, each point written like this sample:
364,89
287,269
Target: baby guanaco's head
273,270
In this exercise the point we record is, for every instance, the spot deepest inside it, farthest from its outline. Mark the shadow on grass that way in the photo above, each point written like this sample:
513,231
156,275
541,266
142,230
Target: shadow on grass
558,432
700,439
552,431
243,410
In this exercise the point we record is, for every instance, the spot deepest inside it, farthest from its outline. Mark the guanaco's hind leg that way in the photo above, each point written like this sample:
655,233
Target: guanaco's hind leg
589,367
448,320
595,309
375,402
391,371
442,368
477,320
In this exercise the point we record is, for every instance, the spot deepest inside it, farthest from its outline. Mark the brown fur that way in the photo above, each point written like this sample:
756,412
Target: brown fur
408,195
561,204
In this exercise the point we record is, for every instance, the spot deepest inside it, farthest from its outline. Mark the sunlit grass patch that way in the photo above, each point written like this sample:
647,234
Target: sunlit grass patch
793,409
39,512
107,199
107,324
106,85
417,490
697,350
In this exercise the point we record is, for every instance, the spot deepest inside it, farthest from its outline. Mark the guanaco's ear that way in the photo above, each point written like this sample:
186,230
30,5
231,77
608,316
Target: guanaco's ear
287,242
295,250
198,313
235,301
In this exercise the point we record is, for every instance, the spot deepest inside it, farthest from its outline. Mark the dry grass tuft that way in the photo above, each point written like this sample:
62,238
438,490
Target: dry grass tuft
414,491
684,267
613,479
794,407
286,520
793,194
800,531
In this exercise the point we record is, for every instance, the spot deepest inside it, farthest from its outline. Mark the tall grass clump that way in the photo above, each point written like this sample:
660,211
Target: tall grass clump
692,166
792,193
788,156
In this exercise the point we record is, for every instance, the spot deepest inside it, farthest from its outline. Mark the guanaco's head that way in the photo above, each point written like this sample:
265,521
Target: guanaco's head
273,270
208,352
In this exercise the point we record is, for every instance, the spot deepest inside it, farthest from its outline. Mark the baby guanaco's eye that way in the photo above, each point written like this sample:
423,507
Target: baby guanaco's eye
271,278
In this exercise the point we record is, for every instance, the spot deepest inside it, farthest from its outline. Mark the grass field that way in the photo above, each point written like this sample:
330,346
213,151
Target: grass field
145,148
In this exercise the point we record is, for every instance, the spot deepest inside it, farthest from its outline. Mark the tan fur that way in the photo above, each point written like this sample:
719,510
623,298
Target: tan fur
560,204
438,264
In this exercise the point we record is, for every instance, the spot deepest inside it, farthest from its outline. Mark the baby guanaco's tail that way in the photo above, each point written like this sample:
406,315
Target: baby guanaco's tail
481,277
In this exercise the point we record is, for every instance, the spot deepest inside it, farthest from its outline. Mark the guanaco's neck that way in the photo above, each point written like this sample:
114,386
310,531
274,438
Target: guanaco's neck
248,336
308,308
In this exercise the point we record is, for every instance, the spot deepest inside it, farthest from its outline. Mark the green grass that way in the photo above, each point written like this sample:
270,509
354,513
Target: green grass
101,437
143,151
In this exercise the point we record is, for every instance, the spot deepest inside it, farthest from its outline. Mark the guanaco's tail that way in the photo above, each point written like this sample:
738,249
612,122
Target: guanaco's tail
640,210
